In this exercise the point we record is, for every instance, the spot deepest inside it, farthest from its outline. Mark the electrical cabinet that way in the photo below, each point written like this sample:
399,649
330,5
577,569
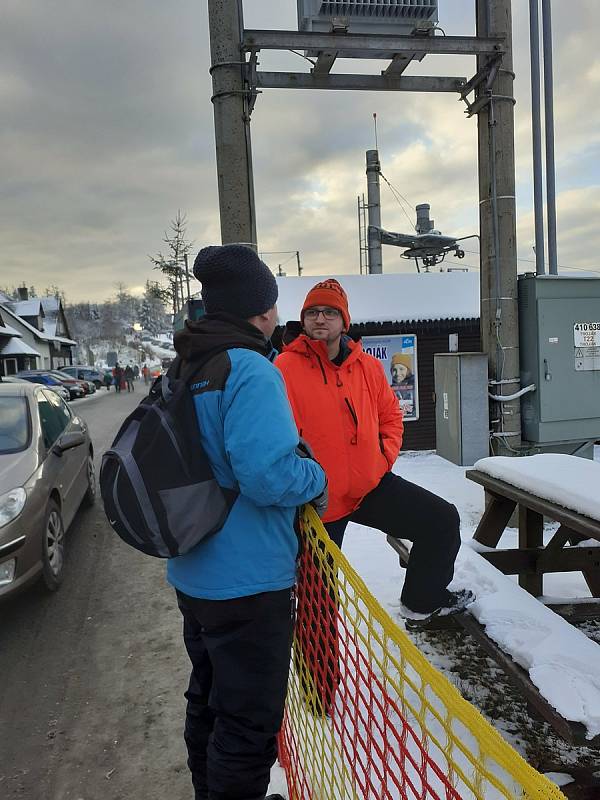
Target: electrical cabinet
398,17
559,339
461,406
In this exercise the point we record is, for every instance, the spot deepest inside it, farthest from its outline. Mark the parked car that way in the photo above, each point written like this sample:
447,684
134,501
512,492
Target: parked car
84,373
45,380
46,473
89,386
75,388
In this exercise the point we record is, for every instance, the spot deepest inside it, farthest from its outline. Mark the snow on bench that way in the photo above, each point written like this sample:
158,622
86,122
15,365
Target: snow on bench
569,481
561,661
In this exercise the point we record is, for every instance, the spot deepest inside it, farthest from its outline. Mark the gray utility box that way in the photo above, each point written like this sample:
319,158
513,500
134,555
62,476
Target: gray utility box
389,17
461,407
559,336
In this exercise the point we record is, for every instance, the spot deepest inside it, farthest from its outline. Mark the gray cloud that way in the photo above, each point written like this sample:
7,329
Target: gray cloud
107,131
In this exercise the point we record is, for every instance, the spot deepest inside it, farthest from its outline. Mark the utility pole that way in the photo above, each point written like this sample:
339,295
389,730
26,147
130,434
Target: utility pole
499,310
374,210
231,104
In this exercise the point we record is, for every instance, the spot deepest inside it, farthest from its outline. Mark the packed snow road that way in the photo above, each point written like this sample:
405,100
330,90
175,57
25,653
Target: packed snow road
91,677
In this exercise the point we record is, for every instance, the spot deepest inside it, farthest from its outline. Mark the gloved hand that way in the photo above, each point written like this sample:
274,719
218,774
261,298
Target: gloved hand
320,503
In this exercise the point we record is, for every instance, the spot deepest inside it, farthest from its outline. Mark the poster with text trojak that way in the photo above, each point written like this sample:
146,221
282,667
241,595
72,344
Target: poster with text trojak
398,356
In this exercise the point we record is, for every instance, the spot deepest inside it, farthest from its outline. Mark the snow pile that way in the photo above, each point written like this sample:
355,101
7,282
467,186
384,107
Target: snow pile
562,662
570,481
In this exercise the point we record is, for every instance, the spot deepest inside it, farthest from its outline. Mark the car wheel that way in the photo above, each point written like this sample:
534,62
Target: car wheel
53,547
89,498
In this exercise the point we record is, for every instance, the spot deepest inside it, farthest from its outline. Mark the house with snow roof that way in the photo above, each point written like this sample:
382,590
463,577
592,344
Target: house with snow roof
40,337
405,318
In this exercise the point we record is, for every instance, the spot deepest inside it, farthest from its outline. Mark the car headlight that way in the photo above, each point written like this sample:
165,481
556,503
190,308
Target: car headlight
11,505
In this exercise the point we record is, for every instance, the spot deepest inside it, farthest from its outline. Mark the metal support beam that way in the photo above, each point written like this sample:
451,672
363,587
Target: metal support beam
231,102
373,43
536,127
549,111
305,80
325,62
399,63
497,213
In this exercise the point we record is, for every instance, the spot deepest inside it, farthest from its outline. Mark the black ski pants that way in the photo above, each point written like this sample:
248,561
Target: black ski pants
240,654
404,510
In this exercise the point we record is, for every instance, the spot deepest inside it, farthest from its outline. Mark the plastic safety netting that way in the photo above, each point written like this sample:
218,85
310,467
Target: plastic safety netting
367,717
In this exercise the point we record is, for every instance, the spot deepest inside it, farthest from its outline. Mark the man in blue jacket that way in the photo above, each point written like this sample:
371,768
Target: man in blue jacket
235,590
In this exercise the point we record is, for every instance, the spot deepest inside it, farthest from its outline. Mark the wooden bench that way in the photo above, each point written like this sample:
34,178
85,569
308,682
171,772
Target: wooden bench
531,560
572,732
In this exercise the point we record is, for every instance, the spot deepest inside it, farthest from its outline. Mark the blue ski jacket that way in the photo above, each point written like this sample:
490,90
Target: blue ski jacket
248,432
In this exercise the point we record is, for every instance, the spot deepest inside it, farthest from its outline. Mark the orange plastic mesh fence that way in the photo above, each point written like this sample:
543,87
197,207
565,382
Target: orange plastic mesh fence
367,717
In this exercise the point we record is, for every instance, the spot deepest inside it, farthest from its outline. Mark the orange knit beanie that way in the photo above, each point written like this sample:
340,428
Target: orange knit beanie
328,293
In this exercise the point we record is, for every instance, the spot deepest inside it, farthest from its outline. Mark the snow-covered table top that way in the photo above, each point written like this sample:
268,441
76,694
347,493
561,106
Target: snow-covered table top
569,481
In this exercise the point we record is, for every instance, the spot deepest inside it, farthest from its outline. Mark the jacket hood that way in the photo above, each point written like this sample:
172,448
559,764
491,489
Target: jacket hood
218,332
305,346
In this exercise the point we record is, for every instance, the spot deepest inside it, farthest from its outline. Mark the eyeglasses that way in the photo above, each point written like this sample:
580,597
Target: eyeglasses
328,313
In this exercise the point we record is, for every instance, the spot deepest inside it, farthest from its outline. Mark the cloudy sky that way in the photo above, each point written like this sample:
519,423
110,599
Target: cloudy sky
107,131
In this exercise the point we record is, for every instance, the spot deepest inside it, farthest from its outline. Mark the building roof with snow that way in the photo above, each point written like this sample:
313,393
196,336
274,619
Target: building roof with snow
392,298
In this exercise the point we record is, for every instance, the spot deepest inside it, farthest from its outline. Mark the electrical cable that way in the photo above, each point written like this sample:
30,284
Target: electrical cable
396,195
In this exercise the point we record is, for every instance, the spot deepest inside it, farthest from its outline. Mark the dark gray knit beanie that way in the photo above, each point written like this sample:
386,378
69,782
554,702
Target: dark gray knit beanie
235,280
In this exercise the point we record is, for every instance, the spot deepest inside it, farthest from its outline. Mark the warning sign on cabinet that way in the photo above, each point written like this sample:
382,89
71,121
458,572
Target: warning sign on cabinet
587,359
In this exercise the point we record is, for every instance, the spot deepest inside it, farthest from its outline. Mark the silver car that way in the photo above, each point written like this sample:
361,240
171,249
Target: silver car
46,472
60,390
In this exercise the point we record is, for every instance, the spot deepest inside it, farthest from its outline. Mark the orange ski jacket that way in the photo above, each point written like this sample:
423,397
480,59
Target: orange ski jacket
349,415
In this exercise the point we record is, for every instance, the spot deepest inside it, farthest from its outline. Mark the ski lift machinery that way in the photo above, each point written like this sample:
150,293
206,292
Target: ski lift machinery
401,17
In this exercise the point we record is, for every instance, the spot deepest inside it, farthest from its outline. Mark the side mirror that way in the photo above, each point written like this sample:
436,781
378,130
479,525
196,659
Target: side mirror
67,441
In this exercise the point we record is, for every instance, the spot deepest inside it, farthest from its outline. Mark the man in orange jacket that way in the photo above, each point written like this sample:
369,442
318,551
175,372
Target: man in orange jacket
349,415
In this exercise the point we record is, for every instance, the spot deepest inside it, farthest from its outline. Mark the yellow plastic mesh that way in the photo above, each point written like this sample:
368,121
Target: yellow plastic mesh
367,717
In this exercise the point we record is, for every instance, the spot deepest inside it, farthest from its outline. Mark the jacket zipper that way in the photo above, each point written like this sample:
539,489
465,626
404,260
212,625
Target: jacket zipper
352,411
321,367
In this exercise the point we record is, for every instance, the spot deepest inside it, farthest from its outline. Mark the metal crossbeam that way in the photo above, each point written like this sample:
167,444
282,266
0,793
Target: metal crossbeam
399,63
303,80
377,44
325,62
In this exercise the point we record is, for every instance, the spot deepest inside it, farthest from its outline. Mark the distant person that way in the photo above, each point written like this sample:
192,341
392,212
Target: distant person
108,379
146,373
235,590
136,372
129,378
118,376
350,417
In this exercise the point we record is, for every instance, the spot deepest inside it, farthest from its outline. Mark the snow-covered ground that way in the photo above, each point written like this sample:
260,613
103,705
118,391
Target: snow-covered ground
567,679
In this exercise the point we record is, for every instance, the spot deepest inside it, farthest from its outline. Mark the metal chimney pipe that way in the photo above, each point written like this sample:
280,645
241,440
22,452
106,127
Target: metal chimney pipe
536,124
549,108
424,222
374,207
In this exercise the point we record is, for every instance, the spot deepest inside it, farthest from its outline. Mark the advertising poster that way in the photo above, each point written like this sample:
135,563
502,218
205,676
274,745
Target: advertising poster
398,355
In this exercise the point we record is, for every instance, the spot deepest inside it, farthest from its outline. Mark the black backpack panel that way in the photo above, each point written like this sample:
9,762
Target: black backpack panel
159,490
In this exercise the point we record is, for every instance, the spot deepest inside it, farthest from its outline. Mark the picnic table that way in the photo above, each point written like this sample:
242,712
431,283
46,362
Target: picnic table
562,488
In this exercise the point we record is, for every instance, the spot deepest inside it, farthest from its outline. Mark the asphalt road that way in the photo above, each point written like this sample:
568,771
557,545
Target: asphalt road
91,677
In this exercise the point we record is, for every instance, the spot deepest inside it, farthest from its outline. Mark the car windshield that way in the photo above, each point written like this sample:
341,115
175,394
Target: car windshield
14,424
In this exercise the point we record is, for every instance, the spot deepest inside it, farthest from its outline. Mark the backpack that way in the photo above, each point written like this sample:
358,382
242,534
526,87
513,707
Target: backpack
159,490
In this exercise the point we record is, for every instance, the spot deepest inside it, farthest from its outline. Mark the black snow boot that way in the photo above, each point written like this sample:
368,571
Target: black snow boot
455,603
